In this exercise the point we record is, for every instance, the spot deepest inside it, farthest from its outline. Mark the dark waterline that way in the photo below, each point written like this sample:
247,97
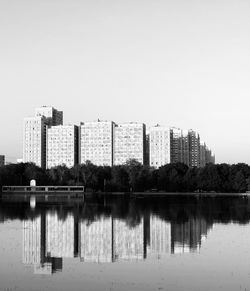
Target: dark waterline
119,243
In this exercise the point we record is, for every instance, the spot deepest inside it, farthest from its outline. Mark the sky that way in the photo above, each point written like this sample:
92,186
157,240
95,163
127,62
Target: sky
182,63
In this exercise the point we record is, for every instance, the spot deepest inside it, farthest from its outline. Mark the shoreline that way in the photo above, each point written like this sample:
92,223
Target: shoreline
127,194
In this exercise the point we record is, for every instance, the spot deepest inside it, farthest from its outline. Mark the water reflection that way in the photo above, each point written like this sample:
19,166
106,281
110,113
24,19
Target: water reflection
116,230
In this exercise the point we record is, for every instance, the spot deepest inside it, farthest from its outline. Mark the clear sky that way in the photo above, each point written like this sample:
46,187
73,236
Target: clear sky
180,63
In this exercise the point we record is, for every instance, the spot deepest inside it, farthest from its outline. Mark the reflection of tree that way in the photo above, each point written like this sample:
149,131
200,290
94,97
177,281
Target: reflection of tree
171,208
188,218
133,216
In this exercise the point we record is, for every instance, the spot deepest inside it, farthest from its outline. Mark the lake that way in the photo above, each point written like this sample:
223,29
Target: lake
121,243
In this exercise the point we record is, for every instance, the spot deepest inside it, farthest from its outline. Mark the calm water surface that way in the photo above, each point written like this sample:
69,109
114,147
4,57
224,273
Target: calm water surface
173,243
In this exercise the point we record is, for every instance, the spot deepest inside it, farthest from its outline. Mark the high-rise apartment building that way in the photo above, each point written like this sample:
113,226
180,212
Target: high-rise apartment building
62,146
34,141
35,238
203,149
185,148
32,254
176,145
212,158
179,146
209,156
147,151
129,142
2,160
52,115
159,146
194,149
96,142
35,133
186,236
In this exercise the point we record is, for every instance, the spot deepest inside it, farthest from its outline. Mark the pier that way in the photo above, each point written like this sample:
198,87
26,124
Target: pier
42,189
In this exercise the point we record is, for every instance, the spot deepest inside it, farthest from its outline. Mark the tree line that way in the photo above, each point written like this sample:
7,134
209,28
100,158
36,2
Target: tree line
133,176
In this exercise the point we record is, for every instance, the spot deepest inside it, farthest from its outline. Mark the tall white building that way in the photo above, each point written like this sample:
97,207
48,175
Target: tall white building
34,141
203,149
62,146
185,148
129,142
96,142
159,146
52,115
35,131
176,144
194,148
179,146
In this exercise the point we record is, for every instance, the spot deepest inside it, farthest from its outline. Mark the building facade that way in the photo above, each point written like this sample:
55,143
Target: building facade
34,141
96,142
62,146
203,149
159,146
194,148
209,156
179,146
129,143
52,115
2,160
35,134
176,144
185,148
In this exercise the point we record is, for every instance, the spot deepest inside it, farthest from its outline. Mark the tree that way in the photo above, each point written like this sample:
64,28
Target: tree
88,175
239,182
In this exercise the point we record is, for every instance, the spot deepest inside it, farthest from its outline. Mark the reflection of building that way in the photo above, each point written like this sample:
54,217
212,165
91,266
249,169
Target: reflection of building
49,238
34,236
62,146
96,240
129,142
111,239
202,154
160,236
96,142
159,146
128,241
186,236
59,235
32,241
